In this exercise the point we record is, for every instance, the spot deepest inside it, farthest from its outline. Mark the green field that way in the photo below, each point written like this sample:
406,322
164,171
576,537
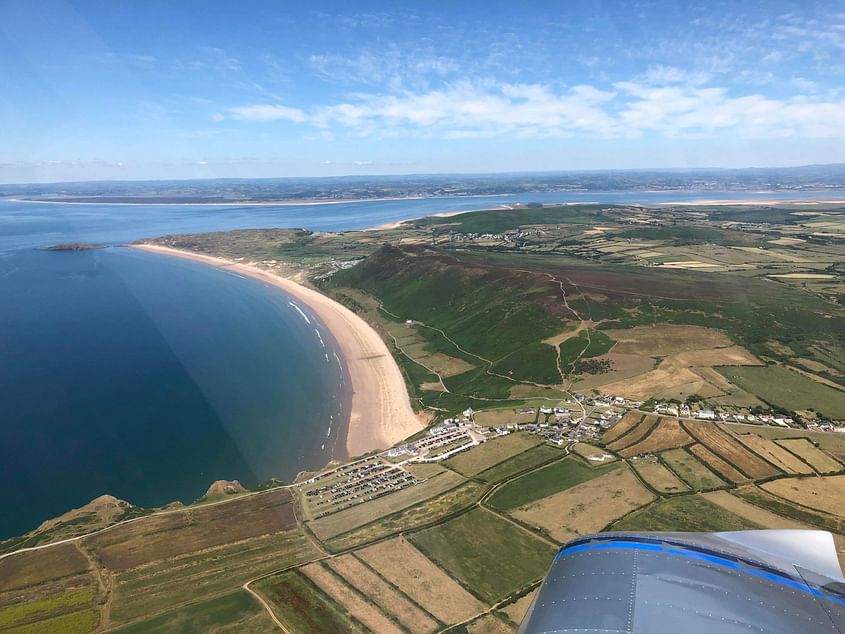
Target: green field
691,470
488,554
162,586
521,462
685,513
236,611
302,607
544,482
28,611
500,220
787,389
81,622
492,452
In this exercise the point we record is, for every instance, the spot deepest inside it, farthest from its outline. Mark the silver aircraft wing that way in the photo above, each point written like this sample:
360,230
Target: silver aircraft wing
765,581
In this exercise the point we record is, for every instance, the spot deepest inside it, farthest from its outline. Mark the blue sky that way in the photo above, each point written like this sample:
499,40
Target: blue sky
164,89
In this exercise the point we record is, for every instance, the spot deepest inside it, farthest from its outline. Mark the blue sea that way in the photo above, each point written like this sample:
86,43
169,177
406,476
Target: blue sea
148,377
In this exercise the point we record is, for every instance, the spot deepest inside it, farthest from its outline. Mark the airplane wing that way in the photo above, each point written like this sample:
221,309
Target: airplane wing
765,581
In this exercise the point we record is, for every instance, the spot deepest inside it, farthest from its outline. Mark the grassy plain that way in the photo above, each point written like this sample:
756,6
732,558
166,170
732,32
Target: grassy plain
486,553
235,612
659,477
169,583
165,536
783,507
809,453
755,514
298,604
587,507
684,513
820,493
695,474
543,482
524,461
492,452
788,389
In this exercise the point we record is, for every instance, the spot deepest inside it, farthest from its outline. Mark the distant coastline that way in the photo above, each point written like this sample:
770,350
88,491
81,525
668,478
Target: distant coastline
380,414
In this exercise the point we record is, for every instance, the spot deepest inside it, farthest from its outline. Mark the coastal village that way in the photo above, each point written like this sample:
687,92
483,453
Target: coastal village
579,419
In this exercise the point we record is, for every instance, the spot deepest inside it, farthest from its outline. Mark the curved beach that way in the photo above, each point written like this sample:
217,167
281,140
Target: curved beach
380,413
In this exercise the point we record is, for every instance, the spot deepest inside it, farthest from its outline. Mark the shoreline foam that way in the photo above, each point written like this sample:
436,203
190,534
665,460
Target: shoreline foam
380,414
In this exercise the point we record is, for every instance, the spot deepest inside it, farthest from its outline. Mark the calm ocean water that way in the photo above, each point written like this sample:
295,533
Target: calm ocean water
149,377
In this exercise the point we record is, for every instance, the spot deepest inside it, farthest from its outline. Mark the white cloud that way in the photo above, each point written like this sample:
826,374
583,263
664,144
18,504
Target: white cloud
656,103
269,112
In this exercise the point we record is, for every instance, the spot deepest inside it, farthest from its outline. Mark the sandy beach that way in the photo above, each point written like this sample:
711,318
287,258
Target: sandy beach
381,413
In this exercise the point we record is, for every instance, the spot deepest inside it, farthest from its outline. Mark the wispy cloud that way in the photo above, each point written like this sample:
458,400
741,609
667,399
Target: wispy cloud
656,103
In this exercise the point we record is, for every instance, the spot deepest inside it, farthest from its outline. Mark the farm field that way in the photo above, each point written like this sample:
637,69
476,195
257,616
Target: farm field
788,389
635,435
486,553
537,456
193,529
427,511
833,444
355,605
626,424
237,611
723,468
775,454
587,507
164,585
809,453
723,445
516,610
391,601
783,507
667,435
361,514
543,482
821,493
684,513
489,624
659,477
755,514
492,452
691,470
301,607
421,580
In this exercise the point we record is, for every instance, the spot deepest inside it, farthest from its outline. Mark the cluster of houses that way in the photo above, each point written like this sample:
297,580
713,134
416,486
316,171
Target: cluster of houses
558,426
354,483
488,237
335,266
685,411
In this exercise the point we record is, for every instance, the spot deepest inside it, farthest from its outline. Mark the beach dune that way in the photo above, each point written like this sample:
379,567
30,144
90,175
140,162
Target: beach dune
381,413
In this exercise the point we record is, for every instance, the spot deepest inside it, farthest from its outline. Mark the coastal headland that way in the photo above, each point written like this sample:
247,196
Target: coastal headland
380,413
